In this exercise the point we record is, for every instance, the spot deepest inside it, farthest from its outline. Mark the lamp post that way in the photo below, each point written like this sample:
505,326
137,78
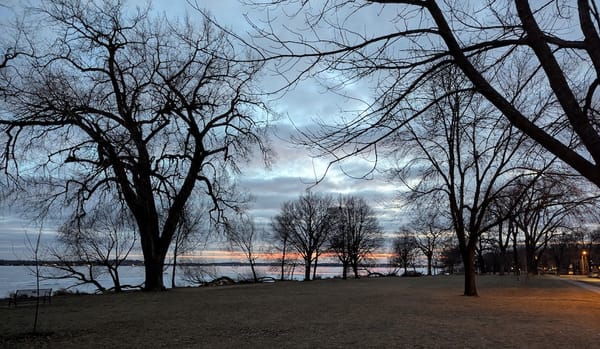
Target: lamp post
584,264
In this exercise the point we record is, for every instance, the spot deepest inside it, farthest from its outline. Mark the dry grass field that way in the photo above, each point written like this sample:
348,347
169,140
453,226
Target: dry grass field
426,312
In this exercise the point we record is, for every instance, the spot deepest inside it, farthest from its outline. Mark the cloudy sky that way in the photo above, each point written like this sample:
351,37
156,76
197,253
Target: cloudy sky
293,171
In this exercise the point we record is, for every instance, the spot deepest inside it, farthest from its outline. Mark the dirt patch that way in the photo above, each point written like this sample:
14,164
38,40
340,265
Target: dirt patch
426,312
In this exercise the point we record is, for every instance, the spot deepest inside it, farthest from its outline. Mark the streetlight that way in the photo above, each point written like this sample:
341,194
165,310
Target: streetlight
584,265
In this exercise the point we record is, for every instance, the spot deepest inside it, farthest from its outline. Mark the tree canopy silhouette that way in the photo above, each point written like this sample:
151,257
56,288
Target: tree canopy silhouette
123,101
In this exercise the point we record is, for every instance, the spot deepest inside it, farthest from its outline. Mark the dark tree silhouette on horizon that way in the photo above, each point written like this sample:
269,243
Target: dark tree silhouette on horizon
306,223
429,228
356,233
243,235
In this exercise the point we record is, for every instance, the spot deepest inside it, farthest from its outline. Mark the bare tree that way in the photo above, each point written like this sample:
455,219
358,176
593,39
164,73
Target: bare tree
95,245
242,234
121,101
307,224
356,232
461,155
542,79
547,207
429,229
405,251
450,254
280,237
505,232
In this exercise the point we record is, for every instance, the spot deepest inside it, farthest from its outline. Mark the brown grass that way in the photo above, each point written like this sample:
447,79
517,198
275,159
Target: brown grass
427,312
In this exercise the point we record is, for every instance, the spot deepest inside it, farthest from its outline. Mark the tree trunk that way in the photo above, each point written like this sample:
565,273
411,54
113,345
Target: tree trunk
532,262
468,257
355,269
307,268
174,267
345,270
252,262
315,266
116,280
503,259
283,259
429,263
154,274
517,267
503,247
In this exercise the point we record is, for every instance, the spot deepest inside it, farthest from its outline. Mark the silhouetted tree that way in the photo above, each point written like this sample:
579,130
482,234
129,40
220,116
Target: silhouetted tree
280,238
450,254
356,232
404,250
460,155
546,207
242,234
502,235
307,223
125,102
429,229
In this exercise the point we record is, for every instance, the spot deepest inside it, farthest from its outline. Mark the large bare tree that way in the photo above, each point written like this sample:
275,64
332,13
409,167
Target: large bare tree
537,63
461,156
121,101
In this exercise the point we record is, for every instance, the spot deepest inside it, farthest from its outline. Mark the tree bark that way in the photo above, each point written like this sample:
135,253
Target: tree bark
345,270
253,271
468,256
429,263
174,267
355,270
532,262
307,268
283,259
154,274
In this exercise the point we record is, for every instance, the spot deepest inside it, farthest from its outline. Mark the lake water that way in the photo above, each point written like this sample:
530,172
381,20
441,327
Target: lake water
20,277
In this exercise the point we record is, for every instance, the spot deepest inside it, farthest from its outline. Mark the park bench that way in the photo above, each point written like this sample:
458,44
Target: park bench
30,295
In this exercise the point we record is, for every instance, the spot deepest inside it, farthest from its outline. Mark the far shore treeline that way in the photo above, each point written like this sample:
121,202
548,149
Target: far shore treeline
137,263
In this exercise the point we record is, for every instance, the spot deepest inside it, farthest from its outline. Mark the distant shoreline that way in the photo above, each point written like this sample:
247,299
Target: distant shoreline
139,263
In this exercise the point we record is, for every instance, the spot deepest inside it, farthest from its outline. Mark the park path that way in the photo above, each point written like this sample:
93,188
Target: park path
583,282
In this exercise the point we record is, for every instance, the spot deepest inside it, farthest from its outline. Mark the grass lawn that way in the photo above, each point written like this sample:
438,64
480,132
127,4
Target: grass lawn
425,312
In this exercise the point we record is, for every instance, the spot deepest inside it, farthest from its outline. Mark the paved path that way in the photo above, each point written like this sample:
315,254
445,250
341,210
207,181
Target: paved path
583,282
